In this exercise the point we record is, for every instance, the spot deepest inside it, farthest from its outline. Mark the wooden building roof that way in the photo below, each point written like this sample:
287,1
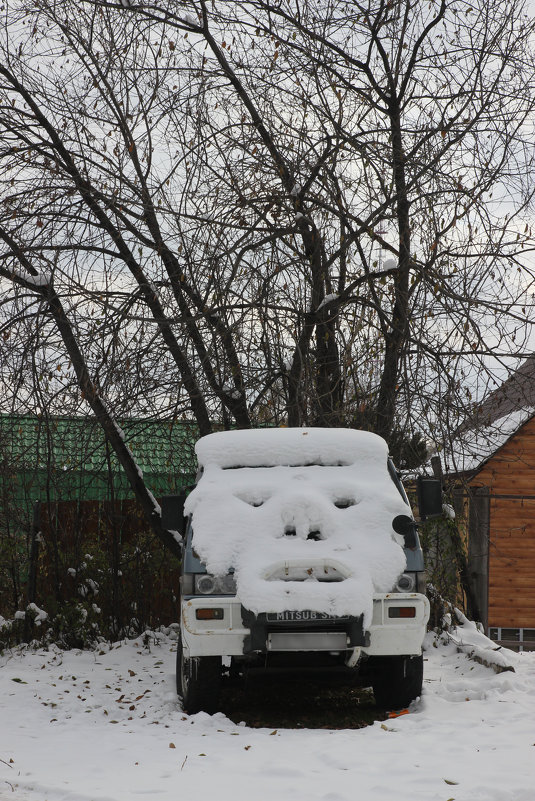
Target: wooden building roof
493,422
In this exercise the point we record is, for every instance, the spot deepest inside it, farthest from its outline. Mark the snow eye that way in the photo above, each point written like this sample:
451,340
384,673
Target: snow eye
344,503
255,502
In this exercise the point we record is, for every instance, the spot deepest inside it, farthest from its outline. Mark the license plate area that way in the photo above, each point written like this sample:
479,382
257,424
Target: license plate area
303,616
306,641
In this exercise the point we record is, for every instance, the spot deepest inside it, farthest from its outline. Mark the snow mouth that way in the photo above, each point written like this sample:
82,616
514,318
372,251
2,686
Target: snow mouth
307,570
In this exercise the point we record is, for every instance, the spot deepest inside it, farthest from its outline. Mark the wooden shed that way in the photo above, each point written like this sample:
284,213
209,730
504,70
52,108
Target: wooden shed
492,464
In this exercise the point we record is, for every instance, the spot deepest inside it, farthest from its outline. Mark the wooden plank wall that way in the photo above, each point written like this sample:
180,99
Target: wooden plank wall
512,563
510,477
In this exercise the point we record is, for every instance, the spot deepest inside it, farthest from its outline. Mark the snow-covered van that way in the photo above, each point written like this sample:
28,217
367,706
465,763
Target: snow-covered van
299,549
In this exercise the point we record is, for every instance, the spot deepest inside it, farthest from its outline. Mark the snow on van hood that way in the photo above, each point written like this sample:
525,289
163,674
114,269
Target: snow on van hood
264,492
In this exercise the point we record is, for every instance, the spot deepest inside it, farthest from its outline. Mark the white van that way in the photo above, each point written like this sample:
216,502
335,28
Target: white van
299,550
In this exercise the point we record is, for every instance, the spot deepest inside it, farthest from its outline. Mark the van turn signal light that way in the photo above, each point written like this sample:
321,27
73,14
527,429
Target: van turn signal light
402,611
209,614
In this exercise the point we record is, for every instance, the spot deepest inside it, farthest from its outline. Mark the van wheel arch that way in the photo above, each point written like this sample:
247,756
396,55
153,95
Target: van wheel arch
198,681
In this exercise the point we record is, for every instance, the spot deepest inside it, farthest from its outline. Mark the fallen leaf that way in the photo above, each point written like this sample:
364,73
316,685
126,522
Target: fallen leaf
398,714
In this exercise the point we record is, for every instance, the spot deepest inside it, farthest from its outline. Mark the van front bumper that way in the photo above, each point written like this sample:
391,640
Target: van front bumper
398,627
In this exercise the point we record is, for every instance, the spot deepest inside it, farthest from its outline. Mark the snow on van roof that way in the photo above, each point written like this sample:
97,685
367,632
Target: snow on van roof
308,504
267,447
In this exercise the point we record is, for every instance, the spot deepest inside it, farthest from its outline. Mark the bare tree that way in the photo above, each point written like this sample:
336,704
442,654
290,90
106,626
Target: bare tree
303,213
379,132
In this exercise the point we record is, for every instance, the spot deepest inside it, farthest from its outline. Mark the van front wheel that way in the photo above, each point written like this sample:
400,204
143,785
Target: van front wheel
396,680
198,681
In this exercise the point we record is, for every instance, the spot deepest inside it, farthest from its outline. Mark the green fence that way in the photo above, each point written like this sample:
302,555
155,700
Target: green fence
64,468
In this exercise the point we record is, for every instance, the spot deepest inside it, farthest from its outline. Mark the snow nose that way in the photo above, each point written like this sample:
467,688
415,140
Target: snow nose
305,515
313,534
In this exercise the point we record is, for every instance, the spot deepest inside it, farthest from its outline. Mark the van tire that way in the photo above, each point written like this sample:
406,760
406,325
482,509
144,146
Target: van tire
198,681
396,680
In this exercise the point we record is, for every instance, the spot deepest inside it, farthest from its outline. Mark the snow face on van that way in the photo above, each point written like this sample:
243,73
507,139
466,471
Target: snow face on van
303,516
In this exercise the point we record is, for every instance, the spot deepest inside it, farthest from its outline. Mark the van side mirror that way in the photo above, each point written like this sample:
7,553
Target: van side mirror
405,525
172,507
429,494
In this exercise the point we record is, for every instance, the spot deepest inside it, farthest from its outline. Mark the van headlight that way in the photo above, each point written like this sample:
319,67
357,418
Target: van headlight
412,582
406,583
207,584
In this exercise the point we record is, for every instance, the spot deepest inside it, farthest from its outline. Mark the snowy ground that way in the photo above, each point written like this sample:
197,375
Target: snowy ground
107,726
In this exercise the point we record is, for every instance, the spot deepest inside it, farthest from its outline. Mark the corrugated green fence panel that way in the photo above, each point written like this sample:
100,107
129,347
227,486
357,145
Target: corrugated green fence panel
62,458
